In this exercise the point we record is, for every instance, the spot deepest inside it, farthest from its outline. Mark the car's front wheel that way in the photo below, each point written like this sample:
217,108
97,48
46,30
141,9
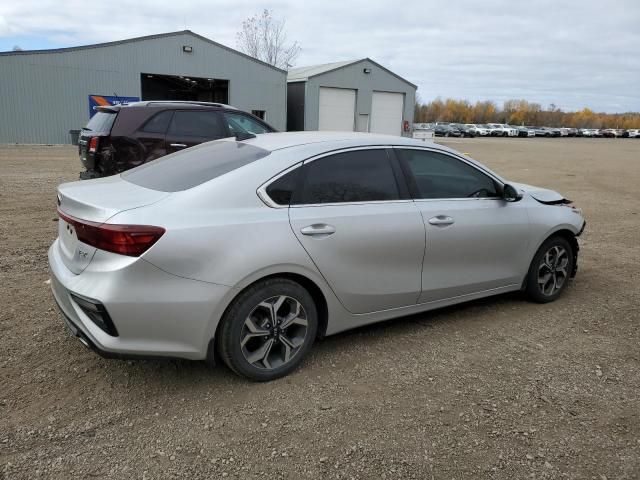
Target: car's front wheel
550,270
268,329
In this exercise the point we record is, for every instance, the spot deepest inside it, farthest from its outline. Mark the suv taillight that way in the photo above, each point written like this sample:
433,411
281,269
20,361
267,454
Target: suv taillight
130,240
93,144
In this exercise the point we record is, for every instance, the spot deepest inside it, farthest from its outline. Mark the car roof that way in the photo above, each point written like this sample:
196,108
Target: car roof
332,140
169,103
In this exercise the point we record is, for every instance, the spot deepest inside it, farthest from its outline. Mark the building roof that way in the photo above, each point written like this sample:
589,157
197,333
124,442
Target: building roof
302,74
139,39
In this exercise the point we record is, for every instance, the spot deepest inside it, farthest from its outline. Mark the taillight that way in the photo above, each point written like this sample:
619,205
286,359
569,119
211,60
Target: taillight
93,144
131,240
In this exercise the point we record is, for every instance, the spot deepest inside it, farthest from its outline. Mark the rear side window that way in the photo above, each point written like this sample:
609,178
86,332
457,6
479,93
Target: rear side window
357,176
194,166
158,123
281,190
438,175
101,122
197,124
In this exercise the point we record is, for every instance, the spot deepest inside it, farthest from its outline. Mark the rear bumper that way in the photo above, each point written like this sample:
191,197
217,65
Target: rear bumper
156,314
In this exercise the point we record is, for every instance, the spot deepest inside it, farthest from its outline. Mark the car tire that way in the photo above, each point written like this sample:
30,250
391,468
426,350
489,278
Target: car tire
252,346
550,270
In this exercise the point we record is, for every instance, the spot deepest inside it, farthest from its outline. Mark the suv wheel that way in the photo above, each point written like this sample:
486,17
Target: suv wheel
268,329
550,270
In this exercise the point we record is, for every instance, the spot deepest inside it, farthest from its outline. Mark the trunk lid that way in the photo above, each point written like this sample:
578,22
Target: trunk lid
95,201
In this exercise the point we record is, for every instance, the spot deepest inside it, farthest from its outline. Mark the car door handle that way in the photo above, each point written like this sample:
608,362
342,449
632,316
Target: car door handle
318,229
441,220
178,145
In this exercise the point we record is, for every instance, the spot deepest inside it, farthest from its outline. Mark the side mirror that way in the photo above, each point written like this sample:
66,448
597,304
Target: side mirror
510,194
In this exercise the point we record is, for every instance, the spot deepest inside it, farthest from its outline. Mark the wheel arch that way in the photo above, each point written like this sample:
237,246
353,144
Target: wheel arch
570,236
319,299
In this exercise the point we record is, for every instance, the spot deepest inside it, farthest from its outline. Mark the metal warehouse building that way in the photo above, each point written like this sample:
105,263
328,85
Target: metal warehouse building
358,95
46,93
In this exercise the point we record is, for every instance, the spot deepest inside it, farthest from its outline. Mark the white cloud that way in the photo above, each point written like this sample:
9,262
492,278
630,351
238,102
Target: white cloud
571,53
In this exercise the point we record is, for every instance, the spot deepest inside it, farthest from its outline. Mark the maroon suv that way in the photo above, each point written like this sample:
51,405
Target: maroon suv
121,137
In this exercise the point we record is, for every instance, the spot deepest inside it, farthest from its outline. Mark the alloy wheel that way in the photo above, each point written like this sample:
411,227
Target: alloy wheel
274,332
552,270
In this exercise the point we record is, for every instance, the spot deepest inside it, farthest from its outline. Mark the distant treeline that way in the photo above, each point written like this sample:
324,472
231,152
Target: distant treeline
519,112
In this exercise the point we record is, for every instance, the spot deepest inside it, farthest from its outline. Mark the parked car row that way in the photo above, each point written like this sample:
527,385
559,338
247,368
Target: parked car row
442,129
611,132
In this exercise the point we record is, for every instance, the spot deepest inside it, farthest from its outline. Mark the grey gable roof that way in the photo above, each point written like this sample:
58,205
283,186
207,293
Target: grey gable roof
302,74
139,39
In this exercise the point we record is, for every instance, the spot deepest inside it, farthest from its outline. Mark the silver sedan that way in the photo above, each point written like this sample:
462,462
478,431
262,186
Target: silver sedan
248,250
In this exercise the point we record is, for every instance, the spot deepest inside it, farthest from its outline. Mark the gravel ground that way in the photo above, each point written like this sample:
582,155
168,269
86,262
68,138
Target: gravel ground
498,388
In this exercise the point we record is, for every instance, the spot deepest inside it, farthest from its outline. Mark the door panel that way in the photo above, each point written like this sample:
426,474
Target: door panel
370,254
475,239
472,245
337,107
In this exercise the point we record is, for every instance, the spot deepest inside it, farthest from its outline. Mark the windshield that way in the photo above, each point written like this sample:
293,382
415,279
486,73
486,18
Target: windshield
194,166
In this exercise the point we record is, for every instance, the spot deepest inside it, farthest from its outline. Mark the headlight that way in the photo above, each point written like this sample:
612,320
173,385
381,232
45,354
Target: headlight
573,208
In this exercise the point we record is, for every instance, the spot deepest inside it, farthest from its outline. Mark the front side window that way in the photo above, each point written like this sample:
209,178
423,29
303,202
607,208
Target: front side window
239,123
197,124
438,175
356,176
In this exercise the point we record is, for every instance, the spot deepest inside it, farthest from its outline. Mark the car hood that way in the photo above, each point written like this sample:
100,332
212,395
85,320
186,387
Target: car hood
539,193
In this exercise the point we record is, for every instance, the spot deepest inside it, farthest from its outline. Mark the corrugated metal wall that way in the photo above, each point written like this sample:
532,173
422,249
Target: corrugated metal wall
44,95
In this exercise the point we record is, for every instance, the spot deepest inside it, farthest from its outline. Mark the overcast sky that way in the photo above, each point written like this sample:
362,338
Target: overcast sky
570,53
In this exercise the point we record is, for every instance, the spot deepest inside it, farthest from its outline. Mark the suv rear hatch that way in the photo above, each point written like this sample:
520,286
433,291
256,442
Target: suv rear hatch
85,206
93,136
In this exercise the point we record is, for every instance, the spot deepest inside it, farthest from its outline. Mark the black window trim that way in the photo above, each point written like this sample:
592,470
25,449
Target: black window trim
400,178
411,181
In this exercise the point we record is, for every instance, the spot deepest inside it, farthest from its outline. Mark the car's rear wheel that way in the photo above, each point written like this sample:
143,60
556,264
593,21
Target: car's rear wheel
268,329
550,270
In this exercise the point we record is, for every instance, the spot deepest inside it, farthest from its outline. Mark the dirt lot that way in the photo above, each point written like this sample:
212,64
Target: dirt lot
499,388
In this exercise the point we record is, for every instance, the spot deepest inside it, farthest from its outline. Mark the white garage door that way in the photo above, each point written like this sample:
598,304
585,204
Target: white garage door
337,109
386,113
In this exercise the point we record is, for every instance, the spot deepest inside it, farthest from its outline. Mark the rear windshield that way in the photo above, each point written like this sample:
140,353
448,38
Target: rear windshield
194,166
101,122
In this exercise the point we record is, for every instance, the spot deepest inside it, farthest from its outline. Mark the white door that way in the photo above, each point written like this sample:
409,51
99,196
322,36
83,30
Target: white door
386,113
337,109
